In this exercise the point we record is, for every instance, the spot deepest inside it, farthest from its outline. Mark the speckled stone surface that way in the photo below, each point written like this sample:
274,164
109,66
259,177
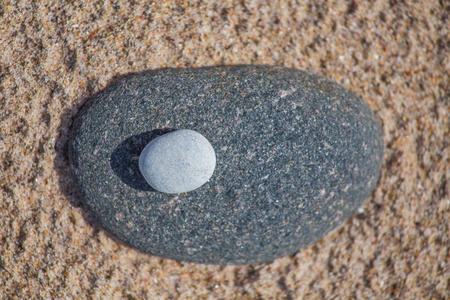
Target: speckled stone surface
296,155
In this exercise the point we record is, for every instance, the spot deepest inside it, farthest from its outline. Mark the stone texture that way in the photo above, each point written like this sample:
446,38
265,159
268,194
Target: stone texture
296,155
177,162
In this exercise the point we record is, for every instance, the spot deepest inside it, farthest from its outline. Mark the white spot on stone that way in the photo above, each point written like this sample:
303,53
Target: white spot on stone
285,93
347,187
327,145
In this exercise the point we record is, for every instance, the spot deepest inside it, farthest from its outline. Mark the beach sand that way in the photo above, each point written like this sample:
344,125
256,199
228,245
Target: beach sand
394,54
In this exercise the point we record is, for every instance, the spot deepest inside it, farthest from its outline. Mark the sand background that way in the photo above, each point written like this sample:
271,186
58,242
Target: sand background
55,54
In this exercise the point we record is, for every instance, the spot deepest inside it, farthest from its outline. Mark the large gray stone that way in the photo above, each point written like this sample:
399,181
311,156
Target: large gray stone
296,154
177,162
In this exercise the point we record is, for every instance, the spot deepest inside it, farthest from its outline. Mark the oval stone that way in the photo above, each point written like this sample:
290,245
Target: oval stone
296,155
178,162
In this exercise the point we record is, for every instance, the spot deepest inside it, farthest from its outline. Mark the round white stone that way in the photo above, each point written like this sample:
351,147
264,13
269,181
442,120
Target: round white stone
178,162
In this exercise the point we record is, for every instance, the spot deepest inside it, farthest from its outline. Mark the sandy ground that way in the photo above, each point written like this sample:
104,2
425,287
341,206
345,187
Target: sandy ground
55,54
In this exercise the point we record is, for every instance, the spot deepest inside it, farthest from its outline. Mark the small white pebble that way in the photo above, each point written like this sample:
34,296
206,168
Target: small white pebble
178,162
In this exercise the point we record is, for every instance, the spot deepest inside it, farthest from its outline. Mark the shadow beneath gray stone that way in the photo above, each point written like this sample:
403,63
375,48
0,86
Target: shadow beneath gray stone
125,159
